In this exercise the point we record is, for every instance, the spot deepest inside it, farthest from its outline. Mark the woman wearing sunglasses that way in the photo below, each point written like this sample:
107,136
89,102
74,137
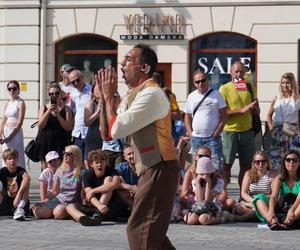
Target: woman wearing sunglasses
282,210
11,133
55,122
256,186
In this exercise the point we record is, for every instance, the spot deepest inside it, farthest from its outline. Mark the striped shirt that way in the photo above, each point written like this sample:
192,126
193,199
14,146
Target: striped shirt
263,186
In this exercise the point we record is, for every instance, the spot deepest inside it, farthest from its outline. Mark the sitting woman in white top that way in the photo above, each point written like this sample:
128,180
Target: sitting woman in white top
257,184
207,209
283,120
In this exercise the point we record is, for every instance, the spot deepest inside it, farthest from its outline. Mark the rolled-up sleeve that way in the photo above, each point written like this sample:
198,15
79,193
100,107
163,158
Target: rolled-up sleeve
149,105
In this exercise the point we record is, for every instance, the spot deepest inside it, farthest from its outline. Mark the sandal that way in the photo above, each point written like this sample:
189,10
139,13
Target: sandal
275,226
286,226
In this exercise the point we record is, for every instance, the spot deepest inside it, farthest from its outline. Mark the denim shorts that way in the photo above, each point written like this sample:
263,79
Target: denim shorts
215,145
52,203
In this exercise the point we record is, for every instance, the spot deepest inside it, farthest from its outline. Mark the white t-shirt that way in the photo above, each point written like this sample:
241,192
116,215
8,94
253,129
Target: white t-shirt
47,177
285,110
207,117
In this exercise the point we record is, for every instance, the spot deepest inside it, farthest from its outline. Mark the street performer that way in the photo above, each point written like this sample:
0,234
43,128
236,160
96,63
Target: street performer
143,117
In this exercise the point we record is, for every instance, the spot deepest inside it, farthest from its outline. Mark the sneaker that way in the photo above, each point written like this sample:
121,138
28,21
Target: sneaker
98,216
89,221
19,214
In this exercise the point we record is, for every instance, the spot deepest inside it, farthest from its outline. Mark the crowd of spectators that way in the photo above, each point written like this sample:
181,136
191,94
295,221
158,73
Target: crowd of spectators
89,177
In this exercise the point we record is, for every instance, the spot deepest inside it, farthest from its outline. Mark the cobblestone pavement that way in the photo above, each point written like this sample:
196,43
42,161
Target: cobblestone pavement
66,234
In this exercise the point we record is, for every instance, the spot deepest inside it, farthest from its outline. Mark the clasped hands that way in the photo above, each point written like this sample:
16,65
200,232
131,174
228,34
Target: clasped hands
106,81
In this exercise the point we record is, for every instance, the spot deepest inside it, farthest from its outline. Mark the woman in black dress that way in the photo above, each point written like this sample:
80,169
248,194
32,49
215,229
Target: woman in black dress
55,122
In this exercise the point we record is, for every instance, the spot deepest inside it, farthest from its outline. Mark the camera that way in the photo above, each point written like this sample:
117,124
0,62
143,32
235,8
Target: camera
53,100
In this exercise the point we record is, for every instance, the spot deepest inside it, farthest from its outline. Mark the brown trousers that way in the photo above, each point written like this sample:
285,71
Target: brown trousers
152,207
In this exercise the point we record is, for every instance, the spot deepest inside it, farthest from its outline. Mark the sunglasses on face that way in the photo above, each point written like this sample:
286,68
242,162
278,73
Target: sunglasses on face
200,81
258,162
67,153
12,88
202,155
293,160
75,81
54,94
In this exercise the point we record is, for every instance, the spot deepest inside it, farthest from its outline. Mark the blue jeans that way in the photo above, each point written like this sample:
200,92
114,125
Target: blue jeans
215,145
81,144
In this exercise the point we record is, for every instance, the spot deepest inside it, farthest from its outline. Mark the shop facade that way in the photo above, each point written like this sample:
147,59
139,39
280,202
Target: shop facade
37,37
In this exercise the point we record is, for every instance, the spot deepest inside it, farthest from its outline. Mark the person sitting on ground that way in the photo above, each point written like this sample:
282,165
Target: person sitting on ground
46,177
256,185
127,175
14,197
99,183
282,209
207,209
67,184
187,195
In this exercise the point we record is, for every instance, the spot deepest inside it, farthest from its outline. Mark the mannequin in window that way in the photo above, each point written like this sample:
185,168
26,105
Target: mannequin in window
88,75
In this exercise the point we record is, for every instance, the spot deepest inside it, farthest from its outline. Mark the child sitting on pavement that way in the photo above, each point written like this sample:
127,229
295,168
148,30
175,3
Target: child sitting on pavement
99,183
46,177
14,196
207,209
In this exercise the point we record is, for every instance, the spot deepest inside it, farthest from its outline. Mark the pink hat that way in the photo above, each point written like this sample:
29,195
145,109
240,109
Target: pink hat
205,166
51,156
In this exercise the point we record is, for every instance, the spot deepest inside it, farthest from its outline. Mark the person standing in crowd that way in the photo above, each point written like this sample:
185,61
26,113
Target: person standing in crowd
205,122
65,85
11,132
176,116
238,136
282,209
80,96
144,116
284,111
14,198
93,138
55,120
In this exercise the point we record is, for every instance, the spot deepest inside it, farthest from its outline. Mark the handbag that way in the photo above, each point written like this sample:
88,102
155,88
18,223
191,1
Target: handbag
288,128
256,122
31,148
30,151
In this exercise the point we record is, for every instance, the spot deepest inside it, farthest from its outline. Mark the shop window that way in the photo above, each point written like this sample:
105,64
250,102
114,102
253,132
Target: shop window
86,52
216,52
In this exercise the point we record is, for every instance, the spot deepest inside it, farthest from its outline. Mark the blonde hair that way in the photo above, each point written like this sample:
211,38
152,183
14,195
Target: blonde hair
253,171
290,76
10,153
77,157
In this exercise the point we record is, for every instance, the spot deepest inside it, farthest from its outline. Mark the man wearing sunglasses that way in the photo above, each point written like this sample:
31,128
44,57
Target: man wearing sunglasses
204,123
144,118
65,85
80,97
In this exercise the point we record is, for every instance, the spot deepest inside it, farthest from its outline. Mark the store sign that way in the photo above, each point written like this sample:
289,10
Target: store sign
158,27
221,65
